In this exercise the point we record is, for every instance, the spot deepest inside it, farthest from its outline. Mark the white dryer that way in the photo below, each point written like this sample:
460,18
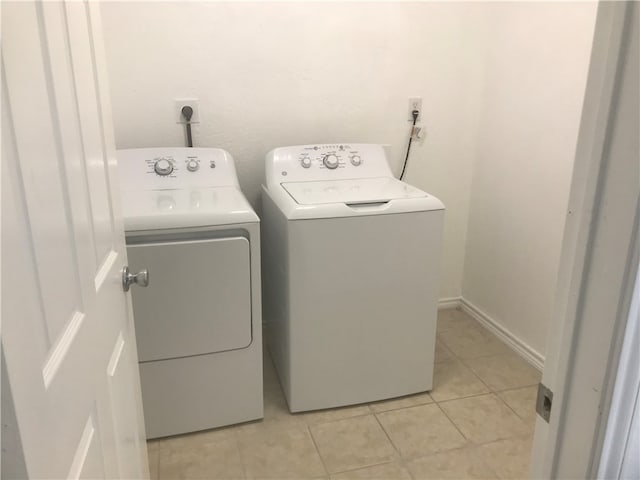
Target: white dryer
198,323
351,258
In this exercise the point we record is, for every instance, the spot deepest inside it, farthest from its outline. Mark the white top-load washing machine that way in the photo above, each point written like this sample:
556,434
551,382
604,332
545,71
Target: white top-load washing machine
351,258
198,323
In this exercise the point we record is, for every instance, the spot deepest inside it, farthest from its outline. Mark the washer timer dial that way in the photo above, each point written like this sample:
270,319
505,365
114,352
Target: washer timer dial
330,161
163,166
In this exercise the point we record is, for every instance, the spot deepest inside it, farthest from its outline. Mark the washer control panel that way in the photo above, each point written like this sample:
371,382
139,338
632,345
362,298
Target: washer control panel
326,161
329,156
170,168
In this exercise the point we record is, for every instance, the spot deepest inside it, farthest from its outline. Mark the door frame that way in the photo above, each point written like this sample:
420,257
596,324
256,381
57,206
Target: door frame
583,349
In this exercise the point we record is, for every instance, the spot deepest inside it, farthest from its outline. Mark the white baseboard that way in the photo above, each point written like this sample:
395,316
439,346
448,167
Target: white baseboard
528,353
450,302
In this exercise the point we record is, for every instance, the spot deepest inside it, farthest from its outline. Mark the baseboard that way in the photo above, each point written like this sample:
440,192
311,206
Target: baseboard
450,302
528,353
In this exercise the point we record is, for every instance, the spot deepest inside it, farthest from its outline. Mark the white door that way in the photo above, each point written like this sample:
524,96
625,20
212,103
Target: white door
67,330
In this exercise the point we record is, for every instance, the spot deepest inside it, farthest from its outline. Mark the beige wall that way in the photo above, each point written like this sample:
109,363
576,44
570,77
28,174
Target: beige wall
501,84
536,68
274,74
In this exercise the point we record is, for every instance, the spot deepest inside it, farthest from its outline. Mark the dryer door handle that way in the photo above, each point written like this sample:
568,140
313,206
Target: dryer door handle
141,278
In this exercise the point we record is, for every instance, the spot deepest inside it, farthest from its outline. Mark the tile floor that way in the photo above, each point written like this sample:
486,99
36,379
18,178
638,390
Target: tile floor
476,423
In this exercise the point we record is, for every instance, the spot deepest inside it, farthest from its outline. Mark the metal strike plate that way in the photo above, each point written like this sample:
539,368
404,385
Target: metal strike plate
544,402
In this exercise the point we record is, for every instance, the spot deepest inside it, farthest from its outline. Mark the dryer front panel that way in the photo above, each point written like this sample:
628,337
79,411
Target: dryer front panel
198,300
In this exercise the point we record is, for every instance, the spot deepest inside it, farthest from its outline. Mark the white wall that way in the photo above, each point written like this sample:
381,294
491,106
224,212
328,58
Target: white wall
274,74
536,67
502,85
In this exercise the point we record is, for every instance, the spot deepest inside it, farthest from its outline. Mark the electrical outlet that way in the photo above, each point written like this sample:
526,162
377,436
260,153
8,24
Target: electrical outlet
183,102
415,103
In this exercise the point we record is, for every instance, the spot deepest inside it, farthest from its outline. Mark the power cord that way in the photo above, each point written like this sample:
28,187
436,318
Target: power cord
415,115
187,113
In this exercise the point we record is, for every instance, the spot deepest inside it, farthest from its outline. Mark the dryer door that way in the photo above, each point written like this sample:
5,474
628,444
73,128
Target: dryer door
198,300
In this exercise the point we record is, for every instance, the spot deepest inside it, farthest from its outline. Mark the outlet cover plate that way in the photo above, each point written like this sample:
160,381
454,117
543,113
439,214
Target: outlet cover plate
182,102
415,103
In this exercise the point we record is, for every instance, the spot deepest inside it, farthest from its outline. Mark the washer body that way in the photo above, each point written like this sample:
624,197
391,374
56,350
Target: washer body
350,262
198,323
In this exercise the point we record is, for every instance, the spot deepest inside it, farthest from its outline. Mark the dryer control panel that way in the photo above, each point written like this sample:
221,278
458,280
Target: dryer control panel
174,168
326,162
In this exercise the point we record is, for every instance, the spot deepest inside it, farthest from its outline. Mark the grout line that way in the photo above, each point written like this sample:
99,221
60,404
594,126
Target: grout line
157,462
357,415
315,444
486,384
237,442
454,424
443,345
456,357
396,409
491,389
491,392
160,443
393,409
464,361
514,412
510,389
362,468
375,415
466,447
473,395
397,450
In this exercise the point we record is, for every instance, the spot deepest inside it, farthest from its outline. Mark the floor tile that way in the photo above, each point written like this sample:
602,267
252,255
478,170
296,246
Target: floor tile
484,418
421,430
523,402
153,452
463,463
333,414
442,353
472,341
352,443
387,471
207,455
452,379
510,458
280,453
276,411
401,402
453,319
501,372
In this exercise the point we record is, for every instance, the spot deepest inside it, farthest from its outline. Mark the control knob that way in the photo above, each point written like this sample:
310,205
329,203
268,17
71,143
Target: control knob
356,160
306,162
193,165
163,167
330,161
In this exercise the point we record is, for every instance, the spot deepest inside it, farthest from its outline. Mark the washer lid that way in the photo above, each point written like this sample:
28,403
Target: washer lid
351,191
195,207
